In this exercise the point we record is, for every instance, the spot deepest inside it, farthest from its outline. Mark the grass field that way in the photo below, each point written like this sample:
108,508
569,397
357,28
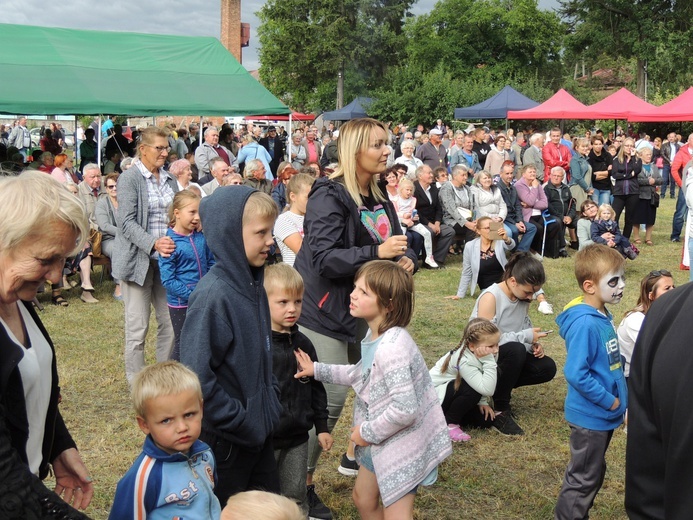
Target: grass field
491,477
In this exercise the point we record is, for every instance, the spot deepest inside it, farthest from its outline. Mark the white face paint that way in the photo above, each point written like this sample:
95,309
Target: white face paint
611,287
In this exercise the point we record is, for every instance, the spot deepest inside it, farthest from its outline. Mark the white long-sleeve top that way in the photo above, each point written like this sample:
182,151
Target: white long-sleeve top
479,373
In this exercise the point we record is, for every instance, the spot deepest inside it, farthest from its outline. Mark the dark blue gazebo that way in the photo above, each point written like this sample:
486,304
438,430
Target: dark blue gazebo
496,107
353,110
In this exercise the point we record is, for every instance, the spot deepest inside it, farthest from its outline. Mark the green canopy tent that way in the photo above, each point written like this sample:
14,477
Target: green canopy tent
67,71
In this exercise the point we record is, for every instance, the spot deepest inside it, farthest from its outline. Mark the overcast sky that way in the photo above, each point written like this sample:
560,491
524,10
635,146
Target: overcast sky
182,17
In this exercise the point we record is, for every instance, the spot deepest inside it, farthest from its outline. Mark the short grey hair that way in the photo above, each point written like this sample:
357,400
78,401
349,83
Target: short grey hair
126,163
251,167
459,168
407,143
420,170
558,169
214,161
91,166
30,201
534,138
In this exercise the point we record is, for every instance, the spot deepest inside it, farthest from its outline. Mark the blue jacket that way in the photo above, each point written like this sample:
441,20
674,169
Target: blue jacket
593,368
227,336
159,486
181,271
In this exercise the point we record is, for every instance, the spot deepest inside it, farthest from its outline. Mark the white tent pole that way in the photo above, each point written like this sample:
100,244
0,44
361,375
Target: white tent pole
98,142
287,149
199,138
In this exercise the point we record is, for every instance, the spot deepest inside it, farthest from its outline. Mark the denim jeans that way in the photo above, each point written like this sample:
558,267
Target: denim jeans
527,238
679,214
601,197
667,179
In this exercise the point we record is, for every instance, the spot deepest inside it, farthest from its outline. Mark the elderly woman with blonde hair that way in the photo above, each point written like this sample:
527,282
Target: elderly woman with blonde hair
41,224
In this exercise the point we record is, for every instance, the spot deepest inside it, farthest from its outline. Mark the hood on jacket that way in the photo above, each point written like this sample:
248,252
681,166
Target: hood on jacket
575,309
222,218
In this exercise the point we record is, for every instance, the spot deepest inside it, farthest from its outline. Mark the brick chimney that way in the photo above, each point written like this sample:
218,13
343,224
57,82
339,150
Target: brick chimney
231,27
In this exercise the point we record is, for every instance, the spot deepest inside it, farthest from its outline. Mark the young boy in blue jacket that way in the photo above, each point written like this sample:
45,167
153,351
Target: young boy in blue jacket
174,475
227,341
597,395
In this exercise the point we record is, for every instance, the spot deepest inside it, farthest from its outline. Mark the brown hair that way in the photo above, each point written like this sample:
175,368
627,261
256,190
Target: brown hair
111,177
595,261
181,199
149,135
477,330
394,290
647,285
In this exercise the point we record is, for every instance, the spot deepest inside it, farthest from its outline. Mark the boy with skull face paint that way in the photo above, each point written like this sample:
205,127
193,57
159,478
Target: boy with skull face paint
597,395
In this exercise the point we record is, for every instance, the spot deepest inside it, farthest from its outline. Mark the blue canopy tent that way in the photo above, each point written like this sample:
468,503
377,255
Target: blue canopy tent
353,110
496,107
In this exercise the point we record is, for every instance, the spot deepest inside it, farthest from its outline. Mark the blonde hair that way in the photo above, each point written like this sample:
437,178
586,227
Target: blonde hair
605,207
476,331
354,138
482,173
404,182
595,261
621,155
260,505
261,206
167,378
31,201
283,277
149,135
394,290
180,200
298,182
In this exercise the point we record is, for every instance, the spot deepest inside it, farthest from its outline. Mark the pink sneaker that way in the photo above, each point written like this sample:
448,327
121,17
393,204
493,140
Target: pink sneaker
457,434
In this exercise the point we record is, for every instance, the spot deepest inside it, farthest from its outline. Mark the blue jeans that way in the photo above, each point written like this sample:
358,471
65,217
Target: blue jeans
667,179
601,197
679,214
527,238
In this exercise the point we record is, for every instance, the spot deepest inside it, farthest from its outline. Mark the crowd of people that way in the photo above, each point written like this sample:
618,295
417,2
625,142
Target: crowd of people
254,362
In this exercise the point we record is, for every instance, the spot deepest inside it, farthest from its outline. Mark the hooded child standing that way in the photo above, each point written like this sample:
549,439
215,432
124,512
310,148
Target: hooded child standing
226,340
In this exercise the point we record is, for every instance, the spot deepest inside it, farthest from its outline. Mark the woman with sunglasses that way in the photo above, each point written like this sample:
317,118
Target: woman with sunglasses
652,287
105,212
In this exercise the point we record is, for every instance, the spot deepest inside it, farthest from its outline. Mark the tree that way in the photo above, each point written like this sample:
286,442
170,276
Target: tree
655,33
304,44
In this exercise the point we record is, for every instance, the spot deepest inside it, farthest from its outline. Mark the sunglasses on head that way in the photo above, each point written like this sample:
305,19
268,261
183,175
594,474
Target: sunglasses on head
660,273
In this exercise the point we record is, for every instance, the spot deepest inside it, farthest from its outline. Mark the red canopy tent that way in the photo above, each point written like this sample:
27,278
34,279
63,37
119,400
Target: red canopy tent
559,106
619,105
678,109
295,116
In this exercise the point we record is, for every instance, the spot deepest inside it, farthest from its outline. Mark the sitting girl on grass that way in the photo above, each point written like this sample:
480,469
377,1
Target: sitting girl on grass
606,223
465,378
397,416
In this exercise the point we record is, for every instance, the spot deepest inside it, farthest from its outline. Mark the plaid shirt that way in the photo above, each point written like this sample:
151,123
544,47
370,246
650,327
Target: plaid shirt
160,198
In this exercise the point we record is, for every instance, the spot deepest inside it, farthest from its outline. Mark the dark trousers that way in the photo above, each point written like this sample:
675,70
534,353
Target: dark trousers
584,475
461,406
668,180
516,368
177,320
415,242
552,232
679,214
630,203
242,469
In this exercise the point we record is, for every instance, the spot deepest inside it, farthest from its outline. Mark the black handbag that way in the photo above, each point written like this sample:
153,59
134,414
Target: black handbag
654,201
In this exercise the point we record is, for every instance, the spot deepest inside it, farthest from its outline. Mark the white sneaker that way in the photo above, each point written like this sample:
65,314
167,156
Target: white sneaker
431,262
545,307
538,257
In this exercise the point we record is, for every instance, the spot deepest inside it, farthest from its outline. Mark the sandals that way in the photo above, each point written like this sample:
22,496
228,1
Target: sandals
60,301
649,242
637,241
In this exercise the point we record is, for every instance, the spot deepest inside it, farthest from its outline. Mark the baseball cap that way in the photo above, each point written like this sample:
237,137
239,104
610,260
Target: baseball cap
435,131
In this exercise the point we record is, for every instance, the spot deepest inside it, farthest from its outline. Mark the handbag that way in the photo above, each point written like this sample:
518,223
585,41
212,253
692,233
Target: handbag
95,241
465,213
654,201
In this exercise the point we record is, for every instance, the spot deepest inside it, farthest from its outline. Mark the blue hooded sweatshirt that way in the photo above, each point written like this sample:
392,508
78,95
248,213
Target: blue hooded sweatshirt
593,368
226,339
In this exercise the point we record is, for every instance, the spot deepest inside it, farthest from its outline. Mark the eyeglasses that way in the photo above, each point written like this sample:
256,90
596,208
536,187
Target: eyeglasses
111,186
660,273
160,149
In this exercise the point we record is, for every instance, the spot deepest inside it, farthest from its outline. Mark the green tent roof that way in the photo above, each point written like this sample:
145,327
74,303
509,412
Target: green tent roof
67,71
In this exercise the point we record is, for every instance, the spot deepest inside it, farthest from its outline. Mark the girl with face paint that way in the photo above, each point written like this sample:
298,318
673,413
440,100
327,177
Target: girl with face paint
597,396
655,284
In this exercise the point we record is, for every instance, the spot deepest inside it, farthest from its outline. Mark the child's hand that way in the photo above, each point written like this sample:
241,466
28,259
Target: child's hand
356,436
305,364
480,352
616,404
538,334
538,350
325,440
487,412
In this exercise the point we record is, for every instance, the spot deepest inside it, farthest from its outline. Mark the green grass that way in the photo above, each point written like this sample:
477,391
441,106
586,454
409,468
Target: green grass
490,477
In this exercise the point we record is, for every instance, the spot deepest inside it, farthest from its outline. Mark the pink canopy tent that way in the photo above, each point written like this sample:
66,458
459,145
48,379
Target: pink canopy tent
559,106
619,105
295,116
678,109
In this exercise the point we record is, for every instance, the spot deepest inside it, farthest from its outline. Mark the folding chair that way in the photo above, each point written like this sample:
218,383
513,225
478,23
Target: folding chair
547,219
